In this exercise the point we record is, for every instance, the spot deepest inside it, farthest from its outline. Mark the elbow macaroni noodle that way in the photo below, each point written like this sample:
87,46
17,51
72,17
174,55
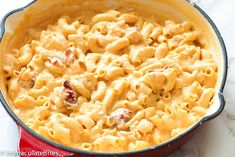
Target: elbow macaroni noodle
116,82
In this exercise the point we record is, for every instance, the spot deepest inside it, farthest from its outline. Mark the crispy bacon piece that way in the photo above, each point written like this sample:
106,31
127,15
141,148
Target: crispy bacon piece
71,96
54,60
67,85
68,52
69,56
66,58
121,116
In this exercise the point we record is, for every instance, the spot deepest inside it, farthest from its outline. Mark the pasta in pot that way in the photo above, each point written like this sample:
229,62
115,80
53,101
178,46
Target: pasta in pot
116,82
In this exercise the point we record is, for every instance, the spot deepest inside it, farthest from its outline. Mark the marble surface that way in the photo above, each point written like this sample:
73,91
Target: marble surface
216,138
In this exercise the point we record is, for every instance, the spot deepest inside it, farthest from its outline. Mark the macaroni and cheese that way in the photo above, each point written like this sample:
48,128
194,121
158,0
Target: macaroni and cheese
111,83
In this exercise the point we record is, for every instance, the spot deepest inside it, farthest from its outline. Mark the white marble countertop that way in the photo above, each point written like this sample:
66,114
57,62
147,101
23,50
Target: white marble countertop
216,138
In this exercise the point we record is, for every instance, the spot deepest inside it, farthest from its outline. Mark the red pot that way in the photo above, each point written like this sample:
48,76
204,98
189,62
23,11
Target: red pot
30,145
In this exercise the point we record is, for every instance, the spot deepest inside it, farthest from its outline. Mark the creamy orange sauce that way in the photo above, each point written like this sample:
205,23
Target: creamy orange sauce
111,80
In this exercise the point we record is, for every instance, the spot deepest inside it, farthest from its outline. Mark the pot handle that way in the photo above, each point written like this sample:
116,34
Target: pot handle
30,146
216,108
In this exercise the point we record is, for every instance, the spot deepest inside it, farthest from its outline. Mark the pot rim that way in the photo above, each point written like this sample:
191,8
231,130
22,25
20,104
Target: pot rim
166,143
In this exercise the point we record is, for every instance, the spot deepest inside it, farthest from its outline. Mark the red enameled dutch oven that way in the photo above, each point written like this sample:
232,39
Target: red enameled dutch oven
31,142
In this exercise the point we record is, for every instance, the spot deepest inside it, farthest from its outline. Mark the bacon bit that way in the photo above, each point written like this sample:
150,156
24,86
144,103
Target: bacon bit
71,96
53,60
69,56
67,85
68,52
121,116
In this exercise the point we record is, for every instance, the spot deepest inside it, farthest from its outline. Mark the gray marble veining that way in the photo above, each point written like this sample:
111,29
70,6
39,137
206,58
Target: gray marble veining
185,151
